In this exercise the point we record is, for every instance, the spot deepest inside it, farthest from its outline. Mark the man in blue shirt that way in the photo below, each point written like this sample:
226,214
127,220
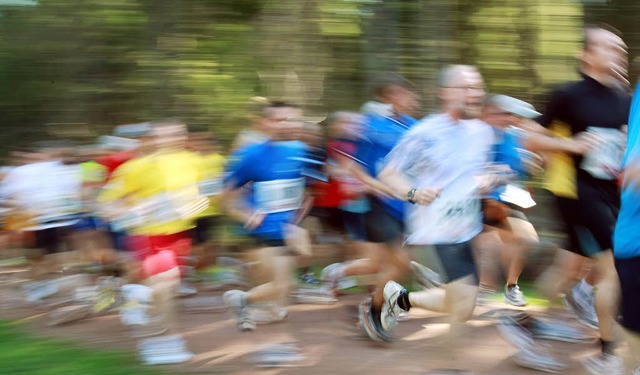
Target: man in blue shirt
273,172
385,219
626,238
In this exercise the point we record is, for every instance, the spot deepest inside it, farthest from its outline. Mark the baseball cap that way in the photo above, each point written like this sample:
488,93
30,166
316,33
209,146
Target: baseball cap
515,106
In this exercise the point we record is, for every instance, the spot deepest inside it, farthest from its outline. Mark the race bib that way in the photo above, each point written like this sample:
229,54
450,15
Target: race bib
210,187
457,218
129,219
605,160
159,209
279,195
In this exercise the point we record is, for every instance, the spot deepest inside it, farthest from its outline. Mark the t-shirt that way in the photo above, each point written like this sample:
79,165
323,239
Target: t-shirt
211,185
626,237
444,154
505,152
159,191
560,173
379,137
334,192
275,172
46,192
588,105
113,161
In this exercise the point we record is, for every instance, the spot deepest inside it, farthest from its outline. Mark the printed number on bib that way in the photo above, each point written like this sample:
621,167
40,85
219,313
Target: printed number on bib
605,160
279,195
458,217
210,187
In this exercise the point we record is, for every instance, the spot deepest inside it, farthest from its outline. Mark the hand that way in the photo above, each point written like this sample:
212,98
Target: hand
254,220
584,142
531,162
425,196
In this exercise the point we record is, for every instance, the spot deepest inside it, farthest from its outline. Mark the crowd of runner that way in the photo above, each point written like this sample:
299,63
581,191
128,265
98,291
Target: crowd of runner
438,199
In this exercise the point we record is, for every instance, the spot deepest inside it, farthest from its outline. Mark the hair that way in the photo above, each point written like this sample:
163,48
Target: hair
337,116
386,82
589,29
259,106
449,73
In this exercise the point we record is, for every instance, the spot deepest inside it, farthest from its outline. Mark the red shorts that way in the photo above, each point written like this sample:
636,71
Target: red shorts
143,246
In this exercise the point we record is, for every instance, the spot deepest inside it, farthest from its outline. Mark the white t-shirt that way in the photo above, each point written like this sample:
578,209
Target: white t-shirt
50,190
443,154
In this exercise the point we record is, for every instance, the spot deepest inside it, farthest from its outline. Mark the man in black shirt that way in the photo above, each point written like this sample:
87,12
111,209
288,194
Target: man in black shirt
598,104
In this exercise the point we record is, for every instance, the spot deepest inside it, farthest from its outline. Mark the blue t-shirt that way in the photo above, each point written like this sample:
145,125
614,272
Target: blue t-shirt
505,151
626,237
380,136
275,171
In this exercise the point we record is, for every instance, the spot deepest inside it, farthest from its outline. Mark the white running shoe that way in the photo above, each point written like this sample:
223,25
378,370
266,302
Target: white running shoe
268,313
237,302
602,364
390,308
536,359
514,296
331,276
425,276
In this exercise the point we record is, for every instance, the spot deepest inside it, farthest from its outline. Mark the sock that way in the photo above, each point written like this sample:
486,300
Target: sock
585,288
509,286
376,311
608,347
403,301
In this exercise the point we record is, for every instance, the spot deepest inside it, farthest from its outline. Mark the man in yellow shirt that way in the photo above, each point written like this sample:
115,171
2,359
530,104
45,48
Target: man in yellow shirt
156,199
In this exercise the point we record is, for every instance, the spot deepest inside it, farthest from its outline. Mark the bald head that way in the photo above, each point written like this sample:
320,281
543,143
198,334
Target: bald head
461,91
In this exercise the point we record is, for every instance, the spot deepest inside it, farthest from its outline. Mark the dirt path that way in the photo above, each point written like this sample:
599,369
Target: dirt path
326,335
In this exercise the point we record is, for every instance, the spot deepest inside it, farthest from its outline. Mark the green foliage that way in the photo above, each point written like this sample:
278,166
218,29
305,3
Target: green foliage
22,353
107,62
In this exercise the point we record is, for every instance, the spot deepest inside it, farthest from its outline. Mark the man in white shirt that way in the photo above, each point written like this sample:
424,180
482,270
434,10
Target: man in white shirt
441,166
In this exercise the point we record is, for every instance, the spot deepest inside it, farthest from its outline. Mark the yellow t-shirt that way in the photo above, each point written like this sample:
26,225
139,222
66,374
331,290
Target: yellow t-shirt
560,176
213,167
162,185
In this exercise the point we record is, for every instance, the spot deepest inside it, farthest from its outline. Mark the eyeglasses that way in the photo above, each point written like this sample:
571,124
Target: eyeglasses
468,88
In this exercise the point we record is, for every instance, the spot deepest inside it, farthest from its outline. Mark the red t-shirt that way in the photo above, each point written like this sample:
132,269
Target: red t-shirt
332,193
113,161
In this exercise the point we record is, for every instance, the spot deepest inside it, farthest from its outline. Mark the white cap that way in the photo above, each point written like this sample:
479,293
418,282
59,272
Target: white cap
515,106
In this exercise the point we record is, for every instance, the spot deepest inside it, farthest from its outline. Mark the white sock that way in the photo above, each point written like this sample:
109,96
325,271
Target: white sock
585,288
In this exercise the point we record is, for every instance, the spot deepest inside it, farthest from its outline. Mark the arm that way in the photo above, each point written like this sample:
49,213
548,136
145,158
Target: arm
356,170
579,144
402,188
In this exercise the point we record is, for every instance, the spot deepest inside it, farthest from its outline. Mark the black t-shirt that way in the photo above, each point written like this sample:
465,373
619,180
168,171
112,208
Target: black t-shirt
585,104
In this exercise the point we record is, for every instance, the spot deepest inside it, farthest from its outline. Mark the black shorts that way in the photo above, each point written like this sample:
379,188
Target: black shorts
579,239
630,286
452,262
599,203
202,230
50,239
261,241
514,212
355,225
330,217
382,226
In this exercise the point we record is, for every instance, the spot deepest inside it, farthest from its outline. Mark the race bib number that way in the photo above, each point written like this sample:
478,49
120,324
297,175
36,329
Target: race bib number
210,187
279,195
605,160
159,209
458,217
128,220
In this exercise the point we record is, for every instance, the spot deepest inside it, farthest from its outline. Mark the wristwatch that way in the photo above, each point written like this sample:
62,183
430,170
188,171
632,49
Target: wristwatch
410,195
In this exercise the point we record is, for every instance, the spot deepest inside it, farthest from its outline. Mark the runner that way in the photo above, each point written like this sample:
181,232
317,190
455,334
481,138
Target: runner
384,220
598,104
436,167
503,207
273,171
626,242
